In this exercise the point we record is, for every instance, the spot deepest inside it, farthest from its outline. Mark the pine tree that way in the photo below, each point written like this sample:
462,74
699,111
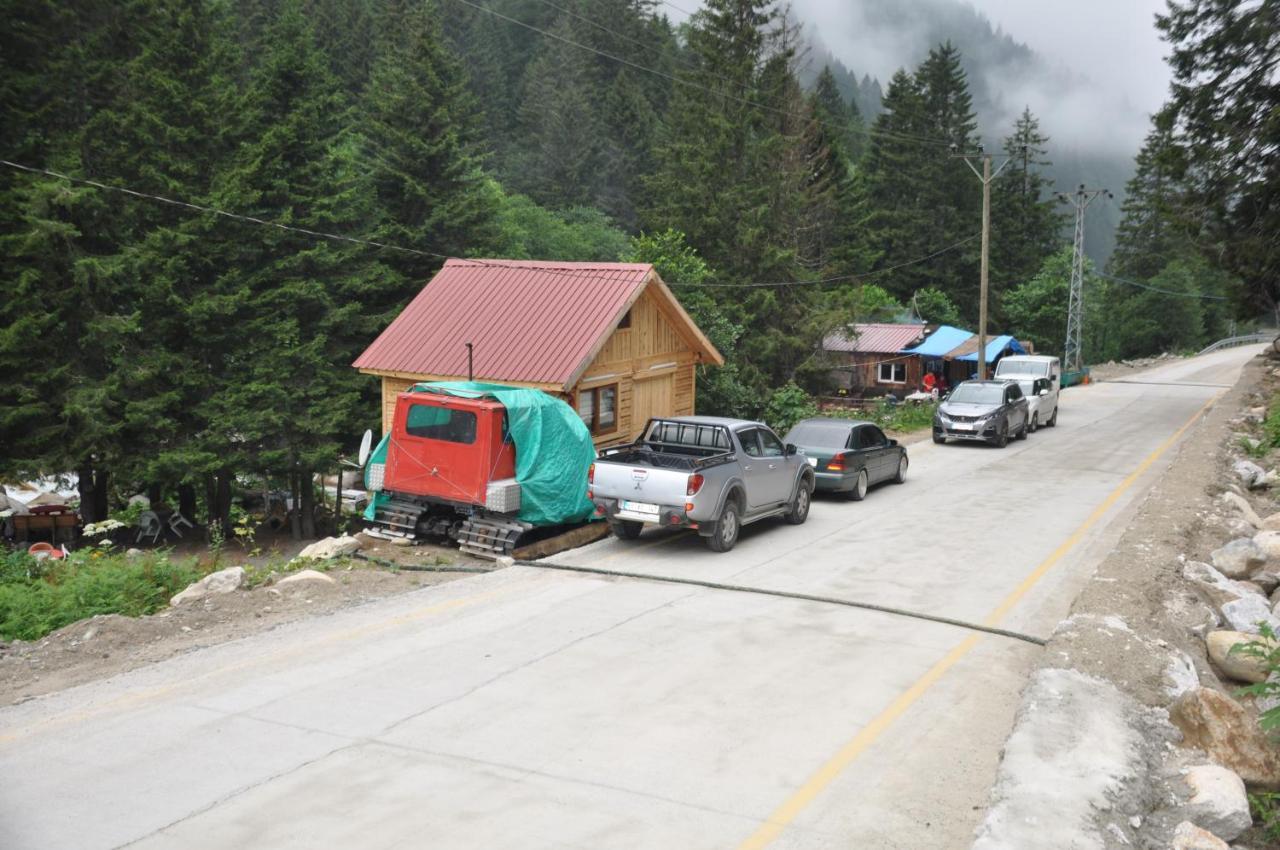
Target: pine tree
290,308
560,153
1223,104
1026,222
419,144
1154,227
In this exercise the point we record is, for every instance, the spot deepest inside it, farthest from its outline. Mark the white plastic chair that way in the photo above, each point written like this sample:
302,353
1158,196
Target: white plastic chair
149,526
176,521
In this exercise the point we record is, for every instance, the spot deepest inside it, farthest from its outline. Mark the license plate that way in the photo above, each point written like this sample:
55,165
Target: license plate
961,426
639,507
813,461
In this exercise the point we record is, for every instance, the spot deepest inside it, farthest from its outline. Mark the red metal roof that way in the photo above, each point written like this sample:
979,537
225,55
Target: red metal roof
529,321
875,338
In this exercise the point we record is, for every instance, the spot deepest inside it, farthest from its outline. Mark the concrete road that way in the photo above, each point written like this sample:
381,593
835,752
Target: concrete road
535,709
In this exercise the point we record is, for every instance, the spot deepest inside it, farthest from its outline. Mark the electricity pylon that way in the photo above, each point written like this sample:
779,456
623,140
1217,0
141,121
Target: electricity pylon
1072,354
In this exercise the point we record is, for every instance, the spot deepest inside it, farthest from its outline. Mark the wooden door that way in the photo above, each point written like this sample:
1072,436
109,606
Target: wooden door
652,397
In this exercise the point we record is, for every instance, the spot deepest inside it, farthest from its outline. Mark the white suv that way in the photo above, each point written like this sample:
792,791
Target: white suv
1040,379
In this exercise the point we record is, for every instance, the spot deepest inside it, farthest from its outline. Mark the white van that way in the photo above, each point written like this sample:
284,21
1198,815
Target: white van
1040,379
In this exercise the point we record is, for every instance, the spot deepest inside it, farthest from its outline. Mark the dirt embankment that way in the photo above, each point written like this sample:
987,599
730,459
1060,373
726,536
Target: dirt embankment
103,646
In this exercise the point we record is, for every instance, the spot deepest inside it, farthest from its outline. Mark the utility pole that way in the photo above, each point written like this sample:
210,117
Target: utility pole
1072,353
986,177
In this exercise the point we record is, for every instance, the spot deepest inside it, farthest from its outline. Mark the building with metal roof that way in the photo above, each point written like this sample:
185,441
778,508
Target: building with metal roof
868,357
610,338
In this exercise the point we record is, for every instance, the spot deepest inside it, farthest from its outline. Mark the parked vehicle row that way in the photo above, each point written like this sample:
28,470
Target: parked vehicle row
715,475
1022,397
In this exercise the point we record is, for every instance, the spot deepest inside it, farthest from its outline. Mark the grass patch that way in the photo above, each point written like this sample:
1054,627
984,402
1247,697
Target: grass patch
38,597
903,416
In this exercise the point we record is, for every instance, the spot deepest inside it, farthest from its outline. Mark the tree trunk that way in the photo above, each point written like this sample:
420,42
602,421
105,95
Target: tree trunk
88,493
156,494
295,516
223,502
337,502
101,491
187,501
210,502
308,504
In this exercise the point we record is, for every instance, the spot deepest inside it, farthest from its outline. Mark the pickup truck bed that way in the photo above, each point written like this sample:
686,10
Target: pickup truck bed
712,475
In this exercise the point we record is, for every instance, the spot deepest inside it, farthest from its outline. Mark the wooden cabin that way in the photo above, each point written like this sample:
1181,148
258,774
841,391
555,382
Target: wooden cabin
609,338
869,360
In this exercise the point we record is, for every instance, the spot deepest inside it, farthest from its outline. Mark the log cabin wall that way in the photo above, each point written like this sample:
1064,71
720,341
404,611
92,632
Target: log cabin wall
652,366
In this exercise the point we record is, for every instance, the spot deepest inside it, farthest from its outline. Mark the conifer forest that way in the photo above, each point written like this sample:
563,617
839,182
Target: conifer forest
208,208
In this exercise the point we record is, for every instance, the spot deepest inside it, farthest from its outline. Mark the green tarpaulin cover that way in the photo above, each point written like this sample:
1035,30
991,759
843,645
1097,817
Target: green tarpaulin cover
553,450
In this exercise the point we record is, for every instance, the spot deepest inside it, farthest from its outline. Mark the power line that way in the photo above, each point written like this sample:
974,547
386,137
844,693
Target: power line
319,234
691,84
1150,288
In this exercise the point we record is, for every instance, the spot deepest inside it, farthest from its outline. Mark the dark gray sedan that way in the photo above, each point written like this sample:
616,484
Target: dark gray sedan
987,411
848,455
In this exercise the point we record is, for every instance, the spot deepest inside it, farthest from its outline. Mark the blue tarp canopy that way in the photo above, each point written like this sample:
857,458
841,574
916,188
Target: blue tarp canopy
995,347
942,341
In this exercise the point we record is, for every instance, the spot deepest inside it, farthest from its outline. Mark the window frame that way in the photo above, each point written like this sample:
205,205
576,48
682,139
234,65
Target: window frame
894,366
453,412
596,428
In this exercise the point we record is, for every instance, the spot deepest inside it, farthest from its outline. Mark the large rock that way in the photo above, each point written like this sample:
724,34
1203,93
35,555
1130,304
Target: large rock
1188,836
1250,474
1266,580
1228,734
1271,522
1218,801
1238,558
1241,504
223,581
1248,612
1212,586
1268,542
1242,668
305,577
331,547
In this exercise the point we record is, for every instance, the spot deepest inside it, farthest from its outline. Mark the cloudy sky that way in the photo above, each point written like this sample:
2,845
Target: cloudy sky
1110,47
1109,40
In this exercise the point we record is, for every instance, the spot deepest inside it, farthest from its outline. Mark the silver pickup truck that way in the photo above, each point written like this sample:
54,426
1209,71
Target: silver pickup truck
705,473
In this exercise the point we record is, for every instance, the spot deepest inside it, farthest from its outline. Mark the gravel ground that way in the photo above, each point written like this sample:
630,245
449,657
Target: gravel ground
105,645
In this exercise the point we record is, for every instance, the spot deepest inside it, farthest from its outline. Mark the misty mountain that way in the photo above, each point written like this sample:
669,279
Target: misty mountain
1092,129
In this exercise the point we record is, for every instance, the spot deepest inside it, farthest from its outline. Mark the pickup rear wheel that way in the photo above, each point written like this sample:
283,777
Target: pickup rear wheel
626,529
800,507
726,530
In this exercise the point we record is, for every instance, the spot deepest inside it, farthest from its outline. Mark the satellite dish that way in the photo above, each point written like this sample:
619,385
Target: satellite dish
366,443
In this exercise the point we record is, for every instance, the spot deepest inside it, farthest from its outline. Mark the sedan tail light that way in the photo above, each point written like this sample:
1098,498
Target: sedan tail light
836,464
695,484
591,474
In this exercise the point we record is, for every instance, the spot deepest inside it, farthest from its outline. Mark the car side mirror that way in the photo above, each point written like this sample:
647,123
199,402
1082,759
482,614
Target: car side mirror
1043,392
893,443
791,449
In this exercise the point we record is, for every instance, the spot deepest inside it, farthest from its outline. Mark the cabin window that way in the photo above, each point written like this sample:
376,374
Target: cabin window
626,320
598,408
441,423
893,373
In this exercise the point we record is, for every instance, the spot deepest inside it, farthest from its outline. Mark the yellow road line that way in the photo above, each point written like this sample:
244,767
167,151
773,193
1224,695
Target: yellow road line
781,817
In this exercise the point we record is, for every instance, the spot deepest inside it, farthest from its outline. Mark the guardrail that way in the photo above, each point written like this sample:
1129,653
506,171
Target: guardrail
1233,341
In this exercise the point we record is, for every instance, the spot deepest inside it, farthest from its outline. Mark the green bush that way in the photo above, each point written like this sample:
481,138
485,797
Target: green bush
38,597
903,417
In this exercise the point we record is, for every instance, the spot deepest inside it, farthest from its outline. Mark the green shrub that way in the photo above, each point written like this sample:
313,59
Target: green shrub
38,597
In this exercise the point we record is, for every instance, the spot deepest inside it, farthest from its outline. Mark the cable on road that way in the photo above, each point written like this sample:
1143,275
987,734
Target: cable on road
786,594
1164,383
